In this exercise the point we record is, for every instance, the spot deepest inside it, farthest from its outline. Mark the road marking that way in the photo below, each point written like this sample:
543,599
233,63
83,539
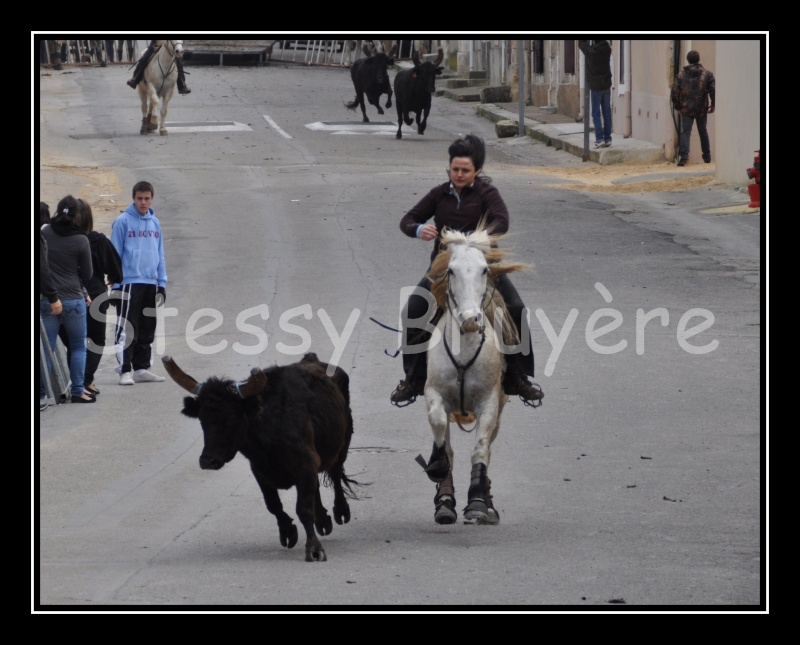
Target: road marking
218,126
276,127
352,127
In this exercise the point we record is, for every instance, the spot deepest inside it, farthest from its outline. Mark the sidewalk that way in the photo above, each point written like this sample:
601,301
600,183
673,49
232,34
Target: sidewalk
557,130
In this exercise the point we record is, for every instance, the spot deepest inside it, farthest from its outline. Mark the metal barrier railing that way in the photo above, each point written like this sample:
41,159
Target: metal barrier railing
53,368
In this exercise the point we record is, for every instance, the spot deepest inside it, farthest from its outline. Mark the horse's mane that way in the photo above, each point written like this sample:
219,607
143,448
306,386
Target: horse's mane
498,264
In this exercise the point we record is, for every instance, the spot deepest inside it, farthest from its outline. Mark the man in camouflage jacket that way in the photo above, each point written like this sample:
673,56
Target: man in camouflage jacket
694,95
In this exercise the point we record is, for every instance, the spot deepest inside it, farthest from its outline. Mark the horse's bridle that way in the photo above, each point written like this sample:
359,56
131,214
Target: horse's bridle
461,369
172,65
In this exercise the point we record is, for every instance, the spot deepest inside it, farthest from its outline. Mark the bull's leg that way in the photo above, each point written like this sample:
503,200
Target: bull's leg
322,520
388,99
421,125
307,493
286,528
362,105
408,118
375,99
341,508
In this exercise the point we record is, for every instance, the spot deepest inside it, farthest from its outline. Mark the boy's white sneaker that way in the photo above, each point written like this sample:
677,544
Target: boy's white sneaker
146,376
126,378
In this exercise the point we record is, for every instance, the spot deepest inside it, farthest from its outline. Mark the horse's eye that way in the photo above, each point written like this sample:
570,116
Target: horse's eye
449,271
485,270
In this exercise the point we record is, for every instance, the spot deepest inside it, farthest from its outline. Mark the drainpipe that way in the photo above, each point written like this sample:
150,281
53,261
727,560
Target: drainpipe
581,86
624,90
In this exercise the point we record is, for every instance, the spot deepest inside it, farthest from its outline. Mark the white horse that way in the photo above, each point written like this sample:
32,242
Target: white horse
158,84
466,367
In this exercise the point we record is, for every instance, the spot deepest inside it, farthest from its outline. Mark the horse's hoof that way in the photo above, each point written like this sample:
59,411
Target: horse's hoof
164,133
445,512
479,512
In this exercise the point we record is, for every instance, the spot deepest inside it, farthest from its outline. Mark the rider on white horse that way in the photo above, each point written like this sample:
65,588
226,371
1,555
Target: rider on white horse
460,204
141,65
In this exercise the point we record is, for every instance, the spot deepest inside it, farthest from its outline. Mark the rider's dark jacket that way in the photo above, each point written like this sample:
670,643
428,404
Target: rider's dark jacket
461,214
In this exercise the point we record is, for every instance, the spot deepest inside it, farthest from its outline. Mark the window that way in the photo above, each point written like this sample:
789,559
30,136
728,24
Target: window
569,56
538,56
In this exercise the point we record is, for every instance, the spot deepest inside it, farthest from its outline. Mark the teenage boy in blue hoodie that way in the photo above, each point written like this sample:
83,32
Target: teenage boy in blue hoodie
136,234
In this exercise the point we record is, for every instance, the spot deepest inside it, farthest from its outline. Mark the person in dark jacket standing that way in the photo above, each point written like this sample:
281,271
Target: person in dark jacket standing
598,76
694,96
70,261
460,204
107,269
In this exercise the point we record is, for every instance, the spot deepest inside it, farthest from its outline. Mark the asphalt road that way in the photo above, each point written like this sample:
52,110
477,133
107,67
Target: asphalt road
638,486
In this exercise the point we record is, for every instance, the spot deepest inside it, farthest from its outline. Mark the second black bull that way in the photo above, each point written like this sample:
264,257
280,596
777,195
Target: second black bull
413,89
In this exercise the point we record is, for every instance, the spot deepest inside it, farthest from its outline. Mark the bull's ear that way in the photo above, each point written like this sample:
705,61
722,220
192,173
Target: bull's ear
439,70
190,407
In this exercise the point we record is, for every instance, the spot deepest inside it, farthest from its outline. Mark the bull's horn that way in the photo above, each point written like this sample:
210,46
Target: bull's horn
394,51
439,58
179,376
254,384
415,56
366,50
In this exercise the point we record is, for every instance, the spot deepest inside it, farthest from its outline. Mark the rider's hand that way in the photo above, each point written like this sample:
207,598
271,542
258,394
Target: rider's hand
428,232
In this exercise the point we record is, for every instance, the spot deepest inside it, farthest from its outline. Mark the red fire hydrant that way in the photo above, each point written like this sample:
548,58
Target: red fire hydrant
755,188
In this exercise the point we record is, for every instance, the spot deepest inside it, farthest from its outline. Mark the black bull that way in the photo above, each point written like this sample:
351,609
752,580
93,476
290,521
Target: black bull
413,88
292,423
371,77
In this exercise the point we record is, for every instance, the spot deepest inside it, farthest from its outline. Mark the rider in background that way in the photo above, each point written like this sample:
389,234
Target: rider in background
460,204
141,65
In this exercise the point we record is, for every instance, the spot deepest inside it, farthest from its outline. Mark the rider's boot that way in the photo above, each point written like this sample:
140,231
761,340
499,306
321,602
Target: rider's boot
407,391
182,87
141,65
516,382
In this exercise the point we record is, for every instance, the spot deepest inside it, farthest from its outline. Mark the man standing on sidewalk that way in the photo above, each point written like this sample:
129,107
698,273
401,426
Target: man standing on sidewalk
137,236
598,76
692,90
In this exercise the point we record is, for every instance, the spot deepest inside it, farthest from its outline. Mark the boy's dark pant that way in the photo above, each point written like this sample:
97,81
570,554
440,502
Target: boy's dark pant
137,307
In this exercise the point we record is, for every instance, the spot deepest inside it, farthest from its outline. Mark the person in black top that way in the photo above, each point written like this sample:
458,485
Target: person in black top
460,204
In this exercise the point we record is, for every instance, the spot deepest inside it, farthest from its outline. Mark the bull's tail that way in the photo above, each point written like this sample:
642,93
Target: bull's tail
352,105
349,486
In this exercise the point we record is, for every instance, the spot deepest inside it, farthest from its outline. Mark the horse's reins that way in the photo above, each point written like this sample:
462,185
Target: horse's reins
461,369
172,65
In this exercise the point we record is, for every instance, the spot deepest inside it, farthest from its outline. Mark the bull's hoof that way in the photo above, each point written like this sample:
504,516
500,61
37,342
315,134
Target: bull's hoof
288,535
398,136
324,524
315,553
380,110
341,512
365,119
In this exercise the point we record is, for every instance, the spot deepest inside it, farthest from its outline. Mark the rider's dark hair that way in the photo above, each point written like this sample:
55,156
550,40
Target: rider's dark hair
471,146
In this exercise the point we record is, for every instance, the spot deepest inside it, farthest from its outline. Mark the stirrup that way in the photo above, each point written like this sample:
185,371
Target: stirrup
404,394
